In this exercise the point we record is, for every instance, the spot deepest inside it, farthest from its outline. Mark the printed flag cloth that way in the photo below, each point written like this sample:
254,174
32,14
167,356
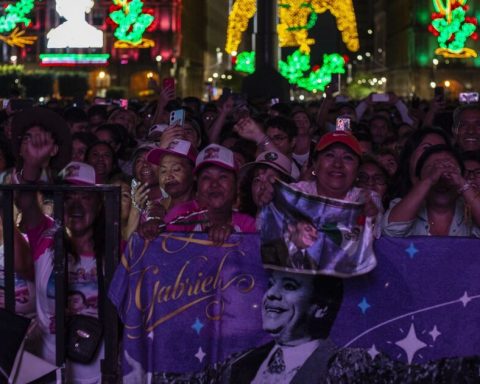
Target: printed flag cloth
315,234
187,304
420,304
188,307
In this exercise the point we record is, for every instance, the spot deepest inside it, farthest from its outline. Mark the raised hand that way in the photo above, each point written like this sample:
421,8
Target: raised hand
37,147
248,129
170,134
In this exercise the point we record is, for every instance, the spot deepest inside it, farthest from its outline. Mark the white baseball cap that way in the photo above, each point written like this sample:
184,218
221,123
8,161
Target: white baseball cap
217,155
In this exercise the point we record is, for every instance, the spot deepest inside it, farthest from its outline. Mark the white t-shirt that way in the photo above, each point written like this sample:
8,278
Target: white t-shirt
82,299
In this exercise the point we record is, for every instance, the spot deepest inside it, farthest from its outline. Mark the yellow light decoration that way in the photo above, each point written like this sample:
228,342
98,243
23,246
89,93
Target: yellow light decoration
242,12
17,38
344,14
145,43
465,53
296,18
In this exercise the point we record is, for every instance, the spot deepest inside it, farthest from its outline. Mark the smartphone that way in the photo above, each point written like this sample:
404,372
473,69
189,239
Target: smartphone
380,98
169,82
20,104
177,117
124,103
468,97
439,93
342,124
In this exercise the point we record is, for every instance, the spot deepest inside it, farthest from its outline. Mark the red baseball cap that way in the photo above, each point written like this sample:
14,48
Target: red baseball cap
341,137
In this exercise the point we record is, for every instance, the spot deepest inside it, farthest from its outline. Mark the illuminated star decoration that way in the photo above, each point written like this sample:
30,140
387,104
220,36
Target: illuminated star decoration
364,305
296,18
197,326
131,22
200,355
411,250
411,344
15,14
452,28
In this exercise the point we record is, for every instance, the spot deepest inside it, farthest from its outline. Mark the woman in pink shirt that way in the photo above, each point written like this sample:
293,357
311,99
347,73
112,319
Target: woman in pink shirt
212,209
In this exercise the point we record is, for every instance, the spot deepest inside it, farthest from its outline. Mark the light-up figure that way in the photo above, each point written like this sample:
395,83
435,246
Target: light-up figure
452,27
75,32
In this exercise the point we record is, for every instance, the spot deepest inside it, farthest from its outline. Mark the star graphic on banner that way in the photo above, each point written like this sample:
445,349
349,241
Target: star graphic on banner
465,299
200,355
434,333
372,351
411,344
151,335
364,305
411,250
197,326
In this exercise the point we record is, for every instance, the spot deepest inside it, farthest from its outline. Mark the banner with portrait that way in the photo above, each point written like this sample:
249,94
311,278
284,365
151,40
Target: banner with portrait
193,311
187,304
315,234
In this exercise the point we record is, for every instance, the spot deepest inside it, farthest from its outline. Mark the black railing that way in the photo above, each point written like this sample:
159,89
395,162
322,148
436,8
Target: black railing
111,197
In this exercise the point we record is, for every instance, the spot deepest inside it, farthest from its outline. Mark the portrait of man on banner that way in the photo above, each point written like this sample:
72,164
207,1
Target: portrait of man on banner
298,312
313,234
74,32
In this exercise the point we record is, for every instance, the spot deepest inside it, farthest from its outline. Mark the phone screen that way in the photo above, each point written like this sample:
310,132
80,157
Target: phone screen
343,124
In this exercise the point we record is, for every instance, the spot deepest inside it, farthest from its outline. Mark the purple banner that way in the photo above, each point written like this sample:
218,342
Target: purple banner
421,303
187,304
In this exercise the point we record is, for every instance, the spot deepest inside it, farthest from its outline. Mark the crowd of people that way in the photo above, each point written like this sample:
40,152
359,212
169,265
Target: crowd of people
414,164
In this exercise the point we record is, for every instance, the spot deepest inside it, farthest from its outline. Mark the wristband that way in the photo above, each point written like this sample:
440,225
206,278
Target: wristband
264,141
154,218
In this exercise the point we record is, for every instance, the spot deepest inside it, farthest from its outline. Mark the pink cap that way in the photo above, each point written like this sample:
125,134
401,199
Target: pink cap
78,173
177,147
273,159
217,155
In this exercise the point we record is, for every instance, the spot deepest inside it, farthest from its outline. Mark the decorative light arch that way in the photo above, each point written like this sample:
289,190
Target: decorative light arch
296,18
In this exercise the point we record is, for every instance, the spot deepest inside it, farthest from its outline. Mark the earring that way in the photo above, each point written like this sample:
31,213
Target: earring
321,312
313,173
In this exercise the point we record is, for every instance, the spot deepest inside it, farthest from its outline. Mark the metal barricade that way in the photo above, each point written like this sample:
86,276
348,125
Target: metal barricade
111,199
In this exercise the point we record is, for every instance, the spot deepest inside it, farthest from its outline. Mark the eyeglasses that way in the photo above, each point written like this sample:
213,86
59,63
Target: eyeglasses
363,178
472,173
